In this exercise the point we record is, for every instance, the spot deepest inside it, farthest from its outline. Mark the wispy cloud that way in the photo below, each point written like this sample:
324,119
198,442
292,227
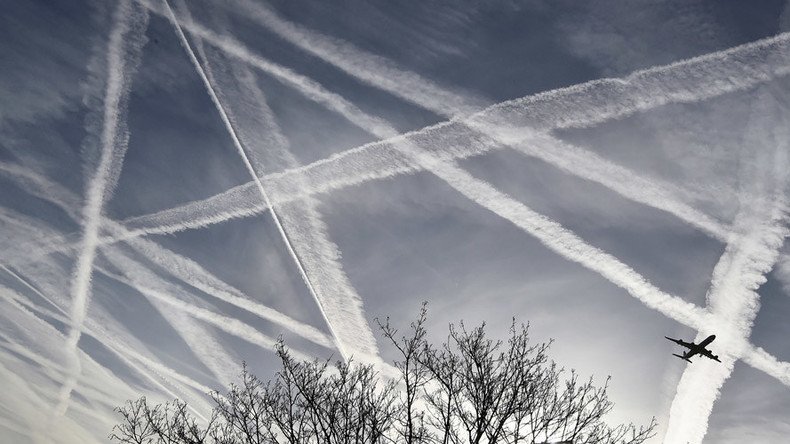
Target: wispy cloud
125,43
759,231
582,105
342,347
268,148
183,268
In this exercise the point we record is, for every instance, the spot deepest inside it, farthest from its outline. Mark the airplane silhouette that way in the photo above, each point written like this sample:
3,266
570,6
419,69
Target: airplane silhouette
695,349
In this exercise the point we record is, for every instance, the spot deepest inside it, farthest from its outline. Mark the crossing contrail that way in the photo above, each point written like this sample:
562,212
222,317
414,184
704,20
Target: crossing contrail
123,54
237,143
760,229
124,348
372,69
548,232
687,92
254,122
105,330
383,74
140,278
585,104
173,263
702,78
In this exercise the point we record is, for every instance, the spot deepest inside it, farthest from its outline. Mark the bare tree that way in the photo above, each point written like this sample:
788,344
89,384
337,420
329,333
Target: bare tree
468,390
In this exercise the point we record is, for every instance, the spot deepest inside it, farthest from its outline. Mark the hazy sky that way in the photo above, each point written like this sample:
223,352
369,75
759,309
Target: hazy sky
139,256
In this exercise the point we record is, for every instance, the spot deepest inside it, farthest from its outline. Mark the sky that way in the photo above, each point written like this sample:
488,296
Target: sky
184,182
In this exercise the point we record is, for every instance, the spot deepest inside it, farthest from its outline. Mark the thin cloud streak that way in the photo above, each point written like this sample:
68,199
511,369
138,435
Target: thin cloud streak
700,78
259,132
634,102
110,334
141,279
173,263
372,69
548,232
237,143
129,25
760,229
381,73
123,347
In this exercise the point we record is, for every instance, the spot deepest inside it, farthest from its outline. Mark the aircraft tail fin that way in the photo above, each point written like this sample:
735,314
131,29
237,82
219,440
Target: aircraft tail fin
682,357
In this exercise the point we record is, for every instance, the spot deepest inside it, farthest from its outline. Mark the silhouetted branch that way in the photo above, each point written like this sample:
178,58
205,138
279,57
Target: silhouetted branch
468,390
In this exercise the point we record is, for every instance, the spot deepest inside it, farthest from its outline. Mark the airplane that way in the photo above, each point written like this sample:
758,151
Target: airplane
695,349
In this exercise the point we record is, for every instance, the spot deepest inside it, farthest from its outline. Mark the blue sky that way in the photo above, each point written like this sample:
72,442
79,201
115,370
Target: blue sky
139,256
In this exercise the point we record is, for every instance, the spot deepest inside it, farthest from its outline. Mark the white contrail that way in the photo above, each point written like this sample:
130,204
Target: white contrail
548,232
41,349
44,337
146,282
372,69
381,73
702,78
237,143
129,24
259,132
760,229
694,89
173,263
28,405
103,328
589,103
635,91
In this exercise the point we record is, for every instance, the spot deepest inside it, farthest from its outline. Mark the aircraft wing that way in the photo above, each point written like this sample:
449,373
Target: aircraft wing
681,342
708,354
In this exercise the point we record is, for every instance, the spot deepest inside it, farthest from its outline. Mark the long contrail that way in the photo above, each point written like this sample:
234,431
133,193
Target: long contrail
700,78
146,282
703,77
375,71
103,328
684,93
257,128
381,73
122,346
123,53
760,229
372,69
548,232
237,143
171,262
